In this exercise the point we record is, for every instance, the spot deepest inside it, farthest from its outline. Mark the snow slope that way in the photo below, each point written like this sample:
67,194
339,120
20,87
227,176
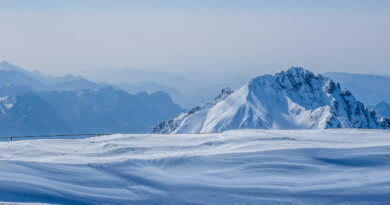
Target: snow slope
292,99
235,167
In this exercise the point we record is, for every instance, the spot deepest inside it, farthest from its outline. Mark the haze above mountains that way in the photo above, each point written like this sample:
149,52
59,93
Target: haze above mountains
134,101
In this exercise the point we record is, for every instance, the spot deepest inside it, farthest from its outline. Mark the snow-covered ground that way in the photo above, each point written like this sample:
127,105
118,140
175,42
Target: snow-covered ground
234,167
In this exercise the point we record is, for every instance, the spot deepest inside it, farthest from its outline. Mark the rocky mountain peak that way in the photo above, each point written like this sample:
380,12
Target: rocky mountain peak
291,99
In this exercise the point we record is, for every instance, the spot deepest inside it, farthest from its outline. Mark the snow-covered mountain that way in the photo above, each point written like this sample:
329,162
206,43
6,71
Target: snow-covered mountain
28,114
292,99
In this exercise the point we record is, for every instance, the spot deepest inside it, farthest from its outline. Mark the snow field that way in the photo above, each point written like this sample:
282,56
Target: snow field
234,167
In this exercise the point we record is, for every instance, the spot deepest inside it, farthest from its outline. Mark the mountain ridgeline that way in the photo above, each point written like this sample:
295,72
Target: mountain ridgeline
292,99
104,110
34,104
382,109
111,110
369,89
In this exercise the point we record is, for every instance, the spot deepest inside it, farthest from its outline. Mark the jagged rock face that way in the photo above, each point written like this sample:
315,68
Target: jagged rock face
384,122
292,99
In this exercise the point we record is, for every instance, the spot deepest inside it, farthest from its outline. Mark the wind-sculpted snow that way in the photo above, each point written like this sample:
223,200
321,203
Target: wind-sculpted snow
292,99
234,167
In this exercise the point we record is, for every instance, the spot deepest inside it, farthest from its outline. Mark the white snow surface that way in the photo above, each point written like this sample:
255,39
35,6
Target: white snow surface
335,166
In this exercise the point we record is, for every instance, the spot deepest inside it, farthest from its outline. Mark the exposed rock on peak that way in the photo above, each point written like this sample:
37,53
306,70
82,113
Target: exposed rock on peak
292,99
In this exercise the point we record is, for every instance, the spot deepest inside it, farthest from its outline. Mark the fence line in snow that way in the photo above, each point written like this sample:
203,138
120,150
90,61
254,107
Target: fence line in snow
61,135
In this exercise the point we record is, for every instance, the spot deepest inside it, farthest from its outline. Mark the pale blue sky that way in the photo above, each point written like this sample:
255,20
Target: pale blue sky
221,37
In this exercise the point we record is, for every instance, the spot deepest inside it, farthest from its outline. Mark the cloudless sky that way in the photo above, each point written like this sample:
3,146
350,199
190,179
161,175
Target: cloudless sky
197,36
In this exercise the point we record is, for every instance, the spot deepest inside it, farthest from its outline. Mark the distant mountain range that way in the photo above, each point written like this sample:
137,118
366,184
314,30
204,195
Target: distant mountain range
382,109
294,99
152,87
33,104
132,75
187,90
14,75
111,110
370,89
29,114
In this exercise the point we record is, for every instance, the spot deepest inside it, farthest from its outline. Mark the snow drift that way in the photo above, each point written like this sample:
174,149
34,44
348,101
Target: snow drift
292,99
235,167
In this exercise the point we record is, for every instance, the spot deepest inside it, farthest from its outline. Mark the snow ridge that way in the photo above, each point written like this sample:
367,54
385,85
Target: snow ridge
166,127
292,99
